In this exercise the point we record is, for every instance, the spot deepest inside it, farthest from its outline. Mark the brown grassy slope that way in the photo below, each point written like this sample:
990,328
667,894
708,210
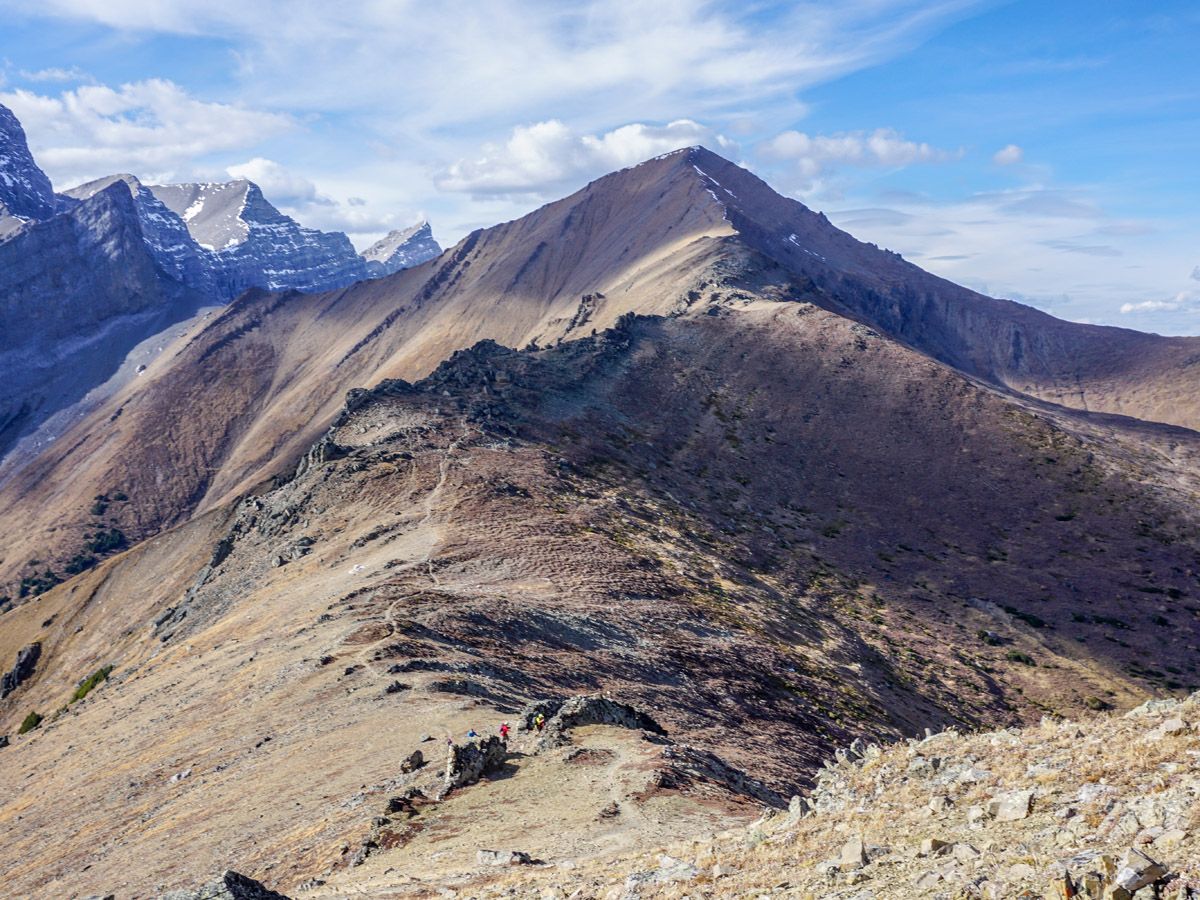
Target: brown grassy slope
632,513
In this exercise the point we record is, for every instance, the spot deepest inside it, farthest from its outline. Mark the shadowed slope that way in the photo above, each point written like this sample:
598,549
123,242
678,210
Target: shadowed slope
1081,366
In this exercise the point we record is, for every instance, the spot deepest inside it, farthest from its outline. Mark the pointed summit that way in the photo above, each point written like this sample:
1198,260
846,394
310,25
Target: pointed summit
401,249
25,191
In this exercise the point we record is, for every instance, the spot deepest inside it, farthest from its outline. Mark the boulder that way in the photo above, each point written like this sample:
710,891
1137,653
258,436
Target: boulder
230,886
503,858
965,852
853,855
415,760
1172,726
467,763
407,803
1011,807
935,847
1138,871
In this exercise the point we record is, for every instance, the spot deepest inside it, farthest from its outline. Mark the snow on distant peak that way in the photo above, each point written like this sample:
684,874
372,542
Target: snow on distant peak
401,249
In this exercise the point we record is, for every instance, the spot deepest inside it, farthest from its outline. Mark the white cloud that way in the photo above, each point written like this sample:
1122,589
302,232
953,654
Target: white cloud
1008,156
152,128
543,158
401,95
280,186
301,199
1189,300
464,61
815,155
1196,274
1035,245
56,74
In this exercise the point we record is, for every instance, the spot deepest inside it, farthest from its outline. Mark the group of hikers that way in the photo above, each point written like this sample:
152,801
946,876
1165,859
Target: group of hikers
539,722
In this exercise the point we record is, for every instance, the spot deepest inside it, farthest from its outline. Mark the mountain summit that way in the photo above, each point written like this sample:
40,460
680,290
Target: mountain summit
401,249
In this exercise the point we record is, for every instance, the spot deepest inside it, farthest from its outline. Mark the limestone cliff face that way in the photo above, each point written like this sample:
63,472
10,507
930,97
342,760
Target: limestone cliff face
77,291
165,234
251,244
25,191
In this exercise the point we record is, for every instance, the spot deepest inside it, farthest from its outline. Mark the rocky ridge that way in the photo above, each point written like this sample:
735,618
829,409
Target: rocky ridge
166,235
77,292
1106,808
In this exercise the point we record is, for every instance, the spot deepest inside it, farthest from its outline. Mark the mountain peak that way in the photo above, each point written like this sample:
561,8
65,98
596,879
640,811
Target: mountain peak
25,191
402,248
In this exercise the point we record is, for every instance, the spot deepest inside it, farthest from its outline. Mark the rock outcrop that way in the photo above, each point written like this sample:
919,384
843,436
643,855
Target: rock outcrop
25,191
563,715
165,234
250,243
230,886
22,670
1115,815
467,763
77,292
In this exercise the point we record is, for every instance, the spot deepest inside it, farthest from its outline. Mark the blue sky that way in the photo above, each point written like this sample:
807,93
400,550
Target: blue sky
1043,152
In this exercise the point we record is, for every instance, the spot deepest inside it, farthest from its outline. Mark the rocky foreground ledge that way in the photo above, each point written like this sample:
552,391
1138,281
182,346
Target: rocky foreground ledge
1106,809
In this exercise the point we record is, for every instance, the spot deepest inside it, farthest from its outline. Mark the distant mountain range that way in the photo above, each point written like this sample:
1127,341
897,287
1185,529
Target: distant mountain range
79,294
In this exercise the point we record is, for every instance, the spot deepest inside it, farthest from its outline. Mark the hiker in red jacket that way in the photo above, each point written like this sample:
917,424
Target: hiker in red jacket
504,729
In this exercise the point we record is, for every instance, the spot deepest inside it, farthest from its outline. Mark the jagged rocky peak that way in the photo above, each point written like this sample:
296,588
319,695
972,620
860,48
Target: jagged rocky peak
166,235
215,212
256,245
25,191
401,249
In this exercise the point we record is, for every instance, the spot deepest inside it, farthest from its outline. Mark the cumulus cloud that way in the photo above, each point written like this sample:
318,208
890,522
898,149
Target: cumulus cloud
882,147
1196,274
152,128
1008,156
281,186
542,158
